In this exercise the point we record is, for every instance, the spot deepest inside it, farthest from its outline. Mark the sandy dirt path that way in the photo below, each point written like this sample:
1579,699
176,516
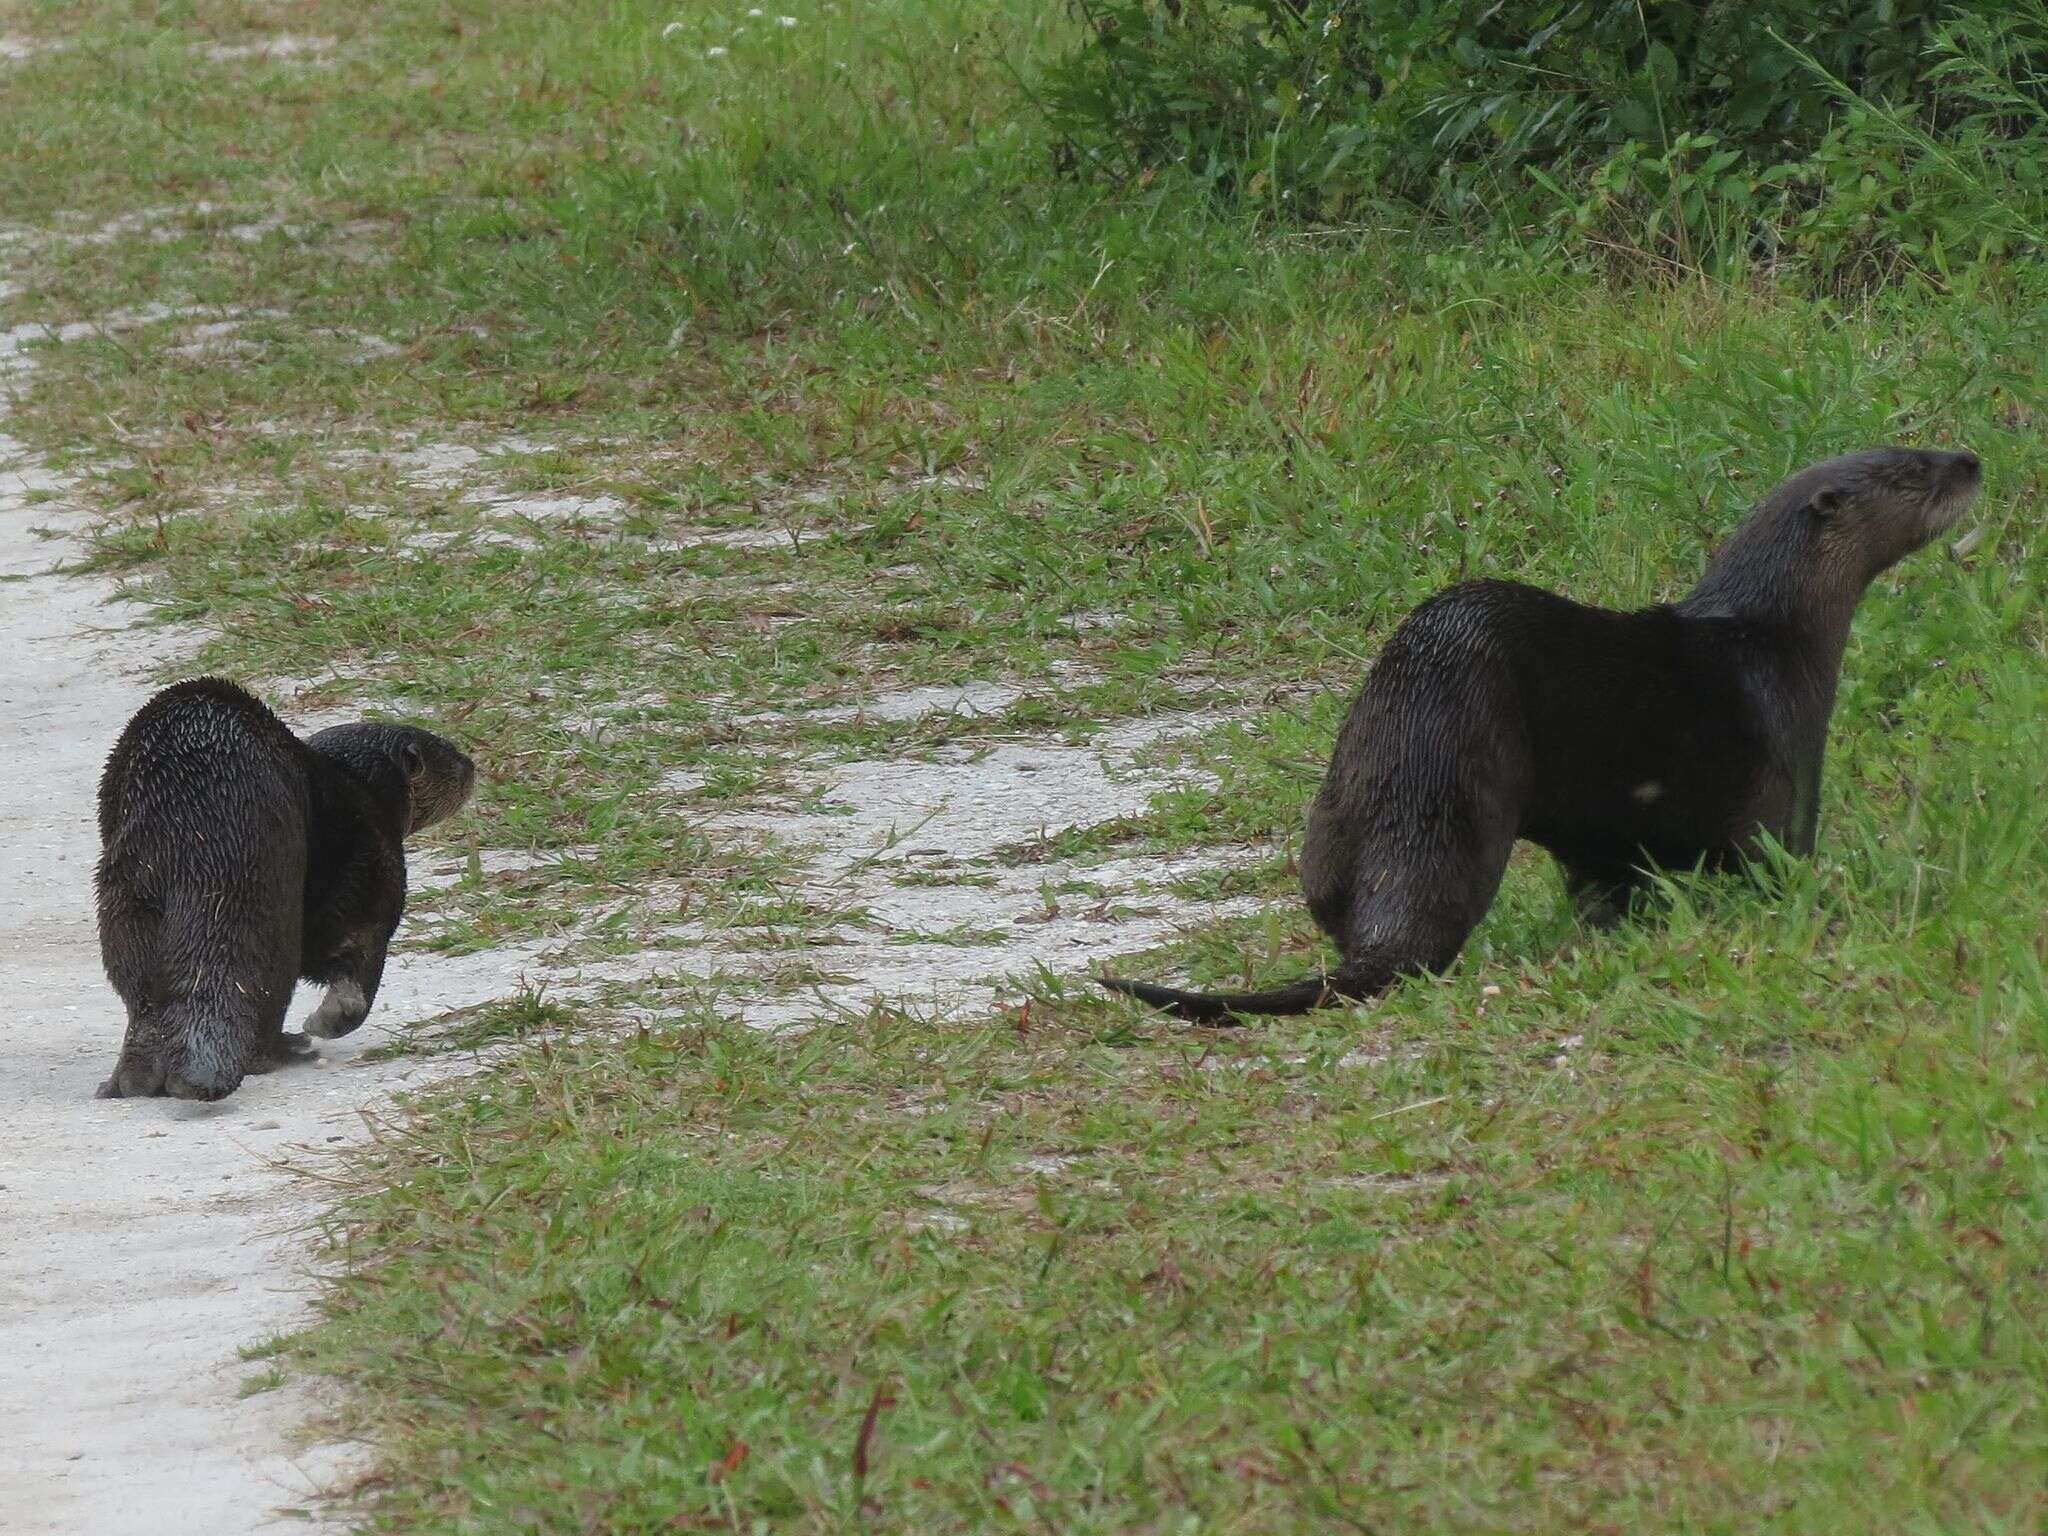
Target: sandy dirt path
142,1244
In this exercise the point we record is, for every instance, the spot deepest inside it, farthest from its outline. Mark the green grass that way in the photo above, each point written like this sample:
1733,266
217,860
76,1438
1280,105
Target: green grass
1754,1255
1755,1250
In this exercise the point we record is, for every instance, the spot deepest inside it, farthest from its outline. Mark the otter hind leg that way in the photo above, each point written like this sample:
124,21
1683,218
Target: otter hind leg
138,1073
1414,920
131,952
178,1053
139,1069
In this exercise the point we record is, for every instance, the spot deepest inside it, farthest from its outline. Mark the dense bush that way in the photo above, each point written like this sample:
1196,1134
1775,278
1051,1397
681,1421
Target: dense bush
1849,132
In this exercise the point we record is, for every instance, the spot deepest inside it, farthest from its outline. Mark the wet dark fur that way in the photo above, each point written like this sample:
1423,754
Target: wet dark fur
1671,737
235,859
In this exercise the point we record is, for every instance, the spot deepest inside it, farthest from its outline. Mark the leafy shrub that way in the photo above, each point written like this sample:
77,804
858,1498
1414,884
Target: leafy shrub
1966,180
1684,129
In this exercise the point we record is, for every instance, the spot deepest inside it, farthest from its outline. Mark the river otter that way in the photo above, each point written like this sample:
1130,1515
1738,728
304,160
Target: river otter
1670,737
235,859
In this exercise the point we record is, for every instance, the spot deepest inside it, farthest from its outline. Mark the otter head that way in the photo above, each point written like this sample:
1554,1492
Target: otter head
1865,512
435,774
1814,543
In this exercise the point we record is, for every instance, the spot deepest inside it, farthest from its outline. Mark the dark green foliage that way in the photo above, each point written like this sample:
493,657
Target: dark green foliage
1683,129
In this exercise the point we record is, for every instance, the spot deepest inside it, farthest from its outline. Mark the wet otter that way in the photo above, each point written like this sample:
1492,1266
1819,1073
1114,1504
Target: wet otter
1670,737
235,859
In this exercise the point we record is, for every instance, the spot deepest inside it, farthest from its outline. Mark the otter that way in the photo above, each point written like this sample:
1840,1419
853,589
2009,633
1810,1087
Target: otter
1677,736
235,859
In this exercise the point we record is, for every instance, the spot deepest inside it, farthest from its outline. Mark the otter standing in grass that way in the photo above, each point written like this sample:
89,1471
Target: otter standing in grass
235,859
1676,736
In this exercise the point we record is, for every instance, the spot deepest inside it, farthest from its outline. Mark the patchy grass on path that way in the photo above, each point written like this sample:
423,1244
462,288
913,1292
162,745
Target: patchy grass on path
699,415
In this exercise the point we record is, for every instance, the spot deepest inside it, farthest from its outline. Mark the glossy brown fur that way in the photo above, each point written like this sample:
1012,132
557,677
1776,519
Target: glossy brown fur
1674,736
236,859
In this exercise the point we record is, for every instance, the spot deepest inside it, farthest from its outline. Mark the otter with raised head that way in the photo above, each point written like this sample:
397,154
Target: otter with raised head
1672,737
234,860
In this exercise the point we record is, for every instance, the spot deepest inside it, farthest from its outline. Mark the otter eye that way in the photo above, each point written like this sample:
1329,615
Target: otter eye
415,765
1826,503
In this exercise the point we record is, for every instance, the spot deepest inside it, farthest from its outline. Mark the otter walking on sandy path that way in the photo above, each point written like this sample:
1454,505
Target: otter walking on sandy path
1674,736
236,859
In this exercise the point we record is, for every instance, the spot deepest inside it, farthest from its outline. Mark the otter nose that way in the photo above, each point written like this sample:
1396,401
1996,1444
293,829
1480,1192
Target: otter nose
1968,463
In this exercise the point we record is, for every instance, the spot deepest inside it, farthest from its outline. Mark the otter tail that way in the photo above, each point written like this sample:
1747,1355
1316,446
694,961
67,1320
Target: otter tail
1224,1007
183,1048
206,978
209,1047
232,959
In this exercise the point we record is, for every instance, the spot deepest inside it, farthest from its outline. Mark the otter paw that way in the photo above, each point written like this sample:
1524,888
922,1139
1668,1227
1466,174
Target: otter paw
132,1080
342,1010
288,1049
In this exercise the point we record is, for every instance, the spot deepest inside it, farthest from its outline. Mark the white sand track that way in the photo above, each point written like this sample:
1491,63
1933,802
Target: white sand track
142,1244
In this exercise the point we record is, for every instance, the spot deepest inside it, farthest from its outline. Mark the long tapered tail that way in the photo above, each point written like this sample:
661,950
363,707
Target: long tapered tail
1224,1007
212,1047
203,1033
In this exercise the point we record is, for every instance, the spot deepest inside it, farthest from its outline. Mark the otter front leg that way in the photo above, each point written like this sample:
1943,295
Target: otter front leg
1804,828
352,979
1604,895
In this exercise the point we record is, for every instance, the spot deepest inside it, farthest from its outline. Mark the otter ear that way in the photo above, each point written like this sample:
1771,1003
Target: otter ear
415,764
1826,503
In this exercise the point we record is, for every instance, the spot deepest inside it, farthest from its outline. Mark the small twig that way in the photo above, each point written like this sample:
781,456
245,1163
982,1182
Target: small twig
1387,1114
